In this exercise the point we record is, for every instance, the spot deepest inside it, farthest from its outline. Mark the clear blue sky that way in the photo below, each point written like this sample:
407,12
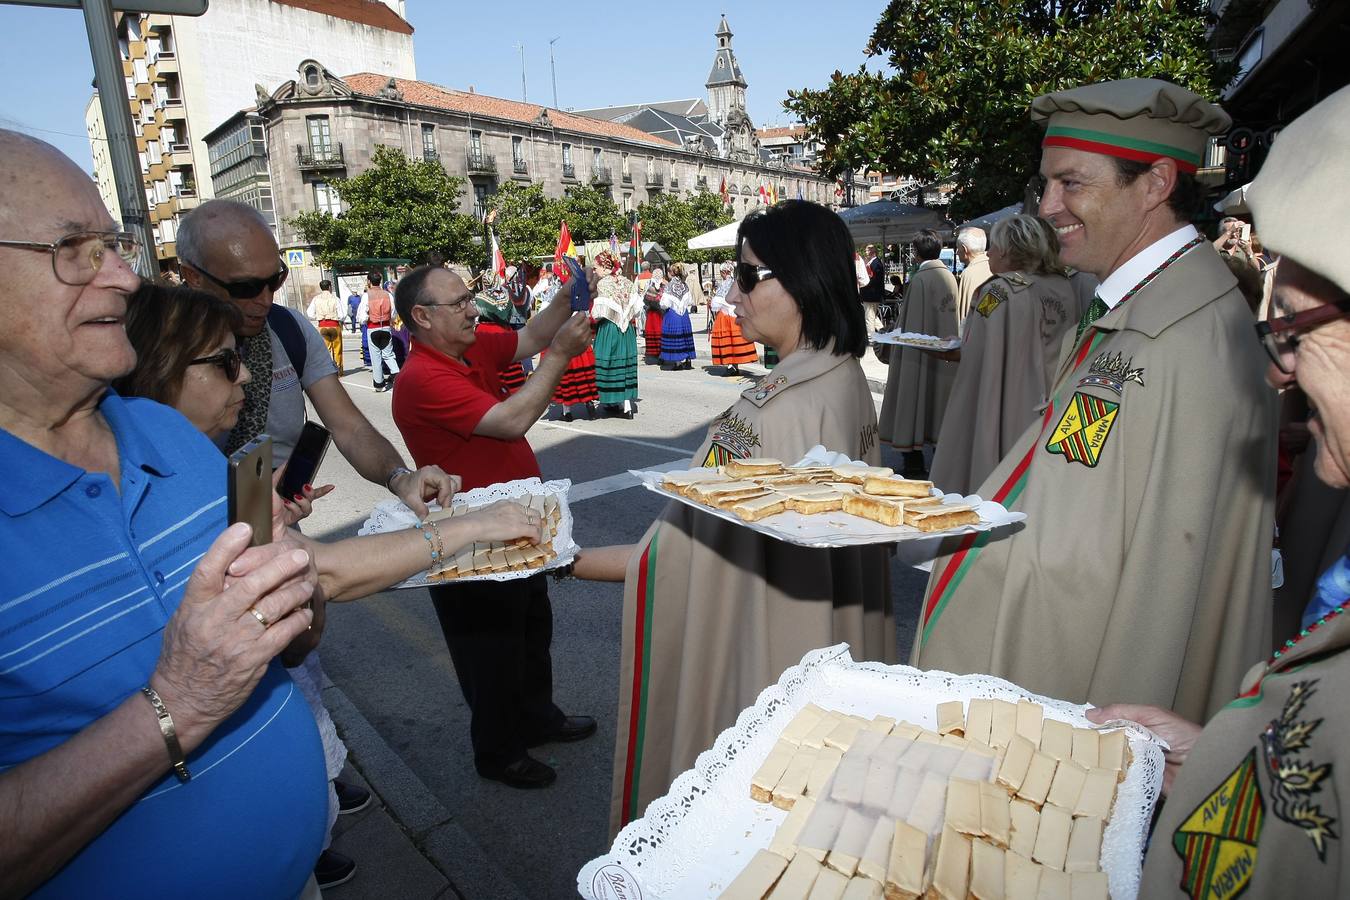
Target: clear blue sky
635,52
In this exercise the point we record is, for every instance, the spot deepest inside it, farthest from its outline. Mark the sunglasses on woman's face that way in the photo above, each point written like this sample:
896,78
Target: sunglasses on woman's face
748,275
228,360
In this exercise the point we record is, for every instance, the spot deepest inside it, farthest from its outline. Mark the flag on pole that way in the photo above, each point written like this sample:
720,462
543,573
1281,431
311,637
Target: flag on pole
726,195
763,194
564,249
635,249
498,261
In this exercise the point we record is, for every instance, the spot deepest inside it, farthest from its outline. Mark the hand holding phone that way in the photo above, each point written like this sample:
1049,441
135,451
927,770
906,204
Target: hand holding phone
304,460
249,488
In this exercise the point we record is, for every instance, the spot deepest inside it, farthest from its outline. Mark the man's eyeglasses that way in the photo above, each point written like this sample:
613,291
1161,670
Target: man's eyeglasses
1280,336
228,360
77,257
457,305
247,288
748,275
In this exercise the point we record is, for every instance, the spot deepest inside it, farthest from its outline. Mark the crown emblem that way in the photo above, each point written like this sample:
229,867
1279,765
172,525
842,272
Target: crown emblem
1112,371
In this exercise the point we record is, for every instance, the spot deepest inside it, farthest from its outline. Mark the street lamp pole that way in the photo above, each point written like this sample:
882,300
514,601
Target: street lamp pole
525,97
553,69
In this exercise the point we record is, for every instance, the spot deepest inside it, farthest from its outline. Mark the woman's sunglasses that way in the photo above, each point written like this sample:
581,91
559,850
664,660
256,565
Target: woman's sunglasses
228,360
748,275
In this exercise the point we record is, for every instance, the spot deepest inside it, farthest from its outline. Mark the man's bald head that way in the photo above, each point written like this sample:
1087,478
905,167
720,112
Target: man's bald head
34,174
219,225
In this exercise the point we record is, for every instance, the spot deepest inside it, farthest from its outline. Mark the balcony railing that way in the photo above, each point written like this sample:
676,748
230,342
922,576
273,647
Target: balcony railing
519,166
569,170
479,163
330,157
627,177
674,182
703,182
601,175
655,179
430,155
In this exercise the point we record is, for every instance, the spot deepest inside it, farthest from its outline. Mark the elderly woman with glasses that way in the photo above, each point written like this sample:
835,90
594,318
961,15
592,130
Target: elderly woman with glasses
187,358
1011,346
714,612
1275,762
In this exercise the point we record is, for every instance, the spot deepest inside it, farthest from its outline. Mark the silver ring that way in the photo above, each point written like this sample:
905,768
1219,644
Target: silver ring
262,619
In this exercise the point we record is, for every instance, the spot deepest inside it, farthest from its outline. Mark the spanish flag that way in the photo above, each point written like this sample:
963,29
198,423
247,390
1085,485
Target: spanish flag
564,249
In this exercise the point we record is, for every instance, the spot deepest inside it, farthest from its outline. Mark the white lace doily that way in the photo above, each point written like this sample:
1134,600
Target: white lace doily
693,841
393,515
840,529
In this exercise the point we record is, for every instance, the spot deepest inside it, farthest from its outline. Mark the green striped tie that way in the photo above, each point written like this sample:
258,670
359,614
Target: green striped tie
1096,309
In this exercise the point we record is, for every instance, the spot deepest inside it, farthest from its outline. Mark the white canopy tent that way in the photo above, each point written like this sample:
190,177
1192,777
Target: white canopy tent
890,222
718,238
1235,203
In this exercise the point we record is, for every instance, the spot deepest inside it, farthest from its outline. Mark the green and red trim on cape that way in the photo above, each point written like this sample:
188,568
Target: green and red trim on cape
642,655
1124,147
1253,694
960,562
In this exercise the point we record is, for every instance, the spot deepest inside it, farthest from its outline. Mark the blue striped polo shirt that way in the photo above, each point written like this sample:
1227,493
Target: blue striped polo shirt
91,577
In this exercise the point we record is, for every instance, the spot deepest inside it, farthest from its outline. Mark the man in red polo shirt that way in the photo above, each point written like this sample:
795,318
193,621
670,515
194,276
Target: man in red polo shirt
451,408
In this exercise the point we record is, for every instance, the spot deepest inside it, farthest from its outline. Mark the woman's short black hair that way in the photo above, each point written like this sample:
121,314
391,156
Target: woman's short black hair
810,251
927,245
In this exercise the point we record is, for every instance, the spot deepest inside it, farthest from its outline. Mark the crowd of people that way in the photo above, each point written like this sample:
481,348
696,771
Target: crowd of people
1121,379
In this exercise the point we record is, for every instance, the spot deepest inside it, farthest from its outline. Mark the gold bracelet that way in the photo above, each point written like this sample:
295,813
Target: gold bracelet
170,734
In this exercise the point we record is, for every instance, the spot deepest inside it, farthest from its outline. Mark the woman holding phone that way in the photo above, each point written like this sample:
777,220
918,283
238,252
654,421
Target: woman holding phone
187,358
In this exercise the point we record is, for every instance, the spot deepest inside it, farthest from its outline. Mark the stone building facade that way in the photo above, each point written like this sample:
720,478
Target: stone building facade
320,127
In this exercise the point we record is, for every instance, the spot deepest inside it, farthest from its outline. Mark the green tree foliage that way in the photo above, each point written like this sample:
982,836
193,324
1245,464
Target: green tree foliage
591,215
952,106
671,220
527,221
399,207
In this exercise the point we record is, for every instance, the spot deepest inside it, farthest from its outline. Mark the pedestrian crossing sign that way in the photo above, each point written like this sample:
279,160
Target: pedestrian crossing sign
295,258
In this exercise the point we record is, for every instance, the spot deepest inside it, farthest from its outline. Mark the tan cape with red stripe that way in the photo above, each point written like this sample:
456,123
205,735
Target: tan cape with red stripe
714,612
1143,571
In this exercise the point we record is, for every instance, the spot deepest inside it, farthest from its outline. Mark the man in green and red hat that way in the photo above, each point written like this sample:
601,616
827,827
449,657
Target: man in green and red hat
1143,570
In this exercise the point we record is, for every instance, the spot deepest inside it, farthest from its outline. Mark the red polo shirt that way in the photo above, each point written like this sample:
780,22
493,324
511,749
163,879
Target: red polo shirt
439,401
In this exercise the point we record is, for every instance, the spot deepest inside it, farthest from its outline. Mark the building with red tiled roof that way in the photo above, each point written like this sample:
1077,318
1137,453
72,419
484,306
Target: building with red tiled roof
320,127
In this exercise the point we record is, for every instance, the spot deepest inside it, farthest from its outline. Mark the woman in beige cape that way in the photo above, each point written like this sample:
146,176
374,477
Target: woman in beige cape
1012,341
714,612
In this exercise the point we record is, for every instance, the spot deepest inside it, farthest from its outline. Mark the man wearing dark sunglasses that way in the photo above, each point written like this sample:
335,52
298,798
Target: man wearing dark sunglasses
227,249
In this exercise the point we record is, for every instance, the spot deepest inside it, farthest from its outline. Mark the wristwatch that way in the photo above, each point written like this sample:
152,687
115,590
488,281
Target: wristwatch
398,470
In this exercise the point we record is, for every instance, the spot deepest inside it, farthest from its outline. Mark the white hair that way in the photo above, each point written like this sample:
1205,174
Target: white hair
973,239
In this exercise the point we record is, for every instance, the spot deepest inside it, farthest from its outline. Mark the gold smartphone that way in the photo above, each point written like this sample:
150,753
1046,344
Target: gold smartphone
250,488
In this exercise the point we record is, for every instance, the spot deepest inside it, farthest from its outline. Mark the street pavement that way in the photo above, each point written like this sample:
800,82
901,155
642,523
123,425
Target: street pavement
437,830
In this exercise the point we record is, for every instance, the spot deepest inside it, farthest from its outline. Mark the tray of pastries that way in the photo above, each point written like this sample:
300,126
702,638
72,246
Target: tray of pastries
496,560
857,781
914,339
820,505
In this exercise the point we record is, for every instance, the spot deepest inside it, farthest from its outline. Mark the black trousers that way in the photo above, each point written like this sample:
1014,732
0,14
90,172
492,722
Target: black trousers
498,634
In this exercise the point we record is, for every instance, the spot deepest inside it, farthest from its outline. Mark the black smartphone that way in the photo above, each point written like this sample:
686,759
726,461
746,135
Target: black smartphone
304,460
250,488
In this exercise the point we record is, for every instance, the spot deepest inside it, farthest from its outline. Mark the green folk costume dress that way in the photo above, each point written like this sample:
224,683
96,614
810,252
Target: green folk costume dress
714,612
1142,573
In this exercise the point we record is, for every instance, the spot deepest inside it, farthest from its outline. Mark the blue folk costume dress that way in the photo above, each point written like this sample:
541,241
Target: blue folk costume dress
617,304
677,334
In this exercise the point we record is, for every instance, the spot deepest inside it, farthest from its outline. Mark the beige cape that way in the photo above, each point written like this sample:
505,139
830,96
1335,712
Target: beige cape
1008,364
1256,809
975,274
714,612
1143,571
918,382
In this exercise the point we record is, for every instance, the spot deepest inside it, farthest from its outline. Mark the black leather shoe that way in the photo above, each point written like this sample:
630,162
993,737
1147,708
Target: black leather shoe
526,772
572,728
333,869
351,798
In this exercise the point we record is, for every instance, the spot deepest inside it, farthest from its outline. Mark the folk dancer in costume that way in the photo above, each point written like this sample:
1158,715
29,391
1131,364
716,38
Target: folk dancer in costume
325,311
498,315
713,612
971,246
1143,572
615,310
677,333
651,327
1009,354
1274,764
730,349
919,381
